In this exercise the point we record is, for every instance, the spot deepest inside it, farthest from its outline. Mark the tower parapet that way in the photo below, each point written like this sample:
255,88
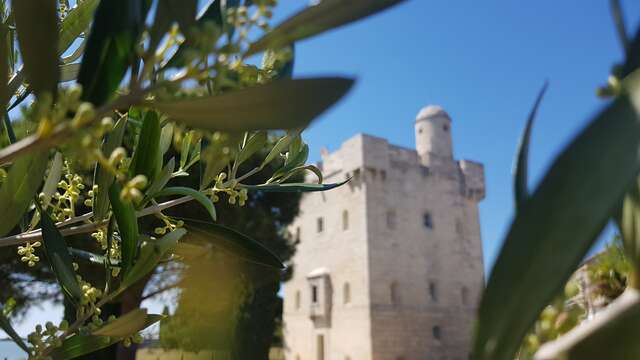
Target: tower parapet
473,175
433,136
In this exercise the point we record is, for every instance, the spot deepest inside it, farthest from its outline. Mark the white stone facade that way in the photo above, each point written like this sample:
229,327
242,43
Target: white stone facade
389,266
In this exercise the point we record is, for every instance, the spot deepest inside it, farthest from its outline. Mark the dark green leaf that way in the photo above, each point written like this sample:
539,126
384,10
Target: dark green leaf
147,158
78,345
557,225
280,146
59,258
254,144
295,159
231,241
611,334
75,23
16,194
104,178
520,169
127,225
5,325
294,187
125,325
313,20
616,12
195,194
4,68
110,48
283,104
91,257
37,24
151,252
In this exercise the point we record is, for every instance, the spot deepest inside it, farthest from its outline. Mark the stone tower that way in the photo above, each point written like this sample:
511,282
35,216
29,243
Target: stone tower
389,266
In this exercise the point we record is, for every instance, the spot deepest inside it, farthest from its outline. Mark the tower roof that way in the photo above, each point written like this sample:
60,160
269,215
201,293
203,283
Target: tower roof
432,111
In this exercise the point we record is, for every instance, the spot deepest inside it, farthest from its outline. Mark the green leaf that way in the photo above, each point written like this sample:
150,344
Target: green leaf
75,23
522,158
69,72
611,334
280,146
254,144
628,221
296,158
294,187
162,179
195,194
166,137
313,20
78,345
4,67
283,104
5,325
125,325
147,157
127,225
557,225
110,48
50,186
91,257
59,258
151,252
230,241
37,25
103,177
16,194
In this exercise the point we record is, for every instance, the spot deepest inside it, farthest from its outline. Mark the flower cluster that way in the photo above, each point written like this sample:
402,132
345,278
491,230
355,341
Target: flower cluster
131,192
27,253
169,225
64,206
234,195
50,336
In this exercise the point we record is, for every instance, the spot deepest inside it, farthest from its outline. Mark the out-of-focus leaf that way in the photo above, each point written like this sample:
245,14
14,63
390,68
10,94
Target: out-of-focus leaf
231,241
104,178
163,178
4,67
76,22
23,180
127,226
110,48
254,144
326,15
628,221
5,325
294,187
557,225
37,24
195,194
147,158
78,345
151,252
616,12
609,335
283,104
184,149
212,13
633,56
521,166
69,72
125,325
59,259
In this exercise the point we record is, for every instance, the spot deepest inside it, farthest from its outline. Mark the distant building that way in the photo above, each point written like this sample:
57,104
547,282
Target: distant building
389,266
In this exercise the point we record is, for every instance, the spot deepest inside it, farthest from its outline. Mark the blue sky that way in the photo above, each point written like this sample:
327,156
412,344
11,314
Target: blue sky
484,62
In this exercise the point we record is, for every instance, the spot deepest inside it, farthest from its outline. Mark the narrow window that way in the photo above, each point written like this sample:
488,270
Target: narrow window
314,294
393,293
427,221
320,345
346,293
465,295
433,291
445,127
320,224
298,234
345,220
297,299
391,219
437,333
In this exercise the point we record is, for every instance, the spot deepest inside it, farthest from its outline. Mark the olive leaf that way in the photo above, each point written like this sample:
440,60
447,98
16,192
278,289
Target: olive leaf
283,104
102,177
5,325
127,222
253,144
37,26
146,156
316,19
294,187
195,194
75,23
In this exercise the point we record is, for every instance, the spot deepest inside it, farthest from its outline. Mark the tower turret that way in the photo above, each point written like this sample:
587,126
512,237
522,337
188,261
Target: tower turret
433,136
